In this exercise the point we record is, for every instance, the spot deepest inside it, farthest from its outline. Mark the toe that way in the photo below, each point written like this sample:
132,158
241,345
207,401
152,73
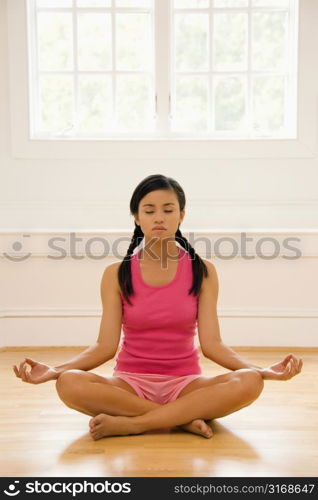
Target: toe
96,420
202,426
96,435
209,433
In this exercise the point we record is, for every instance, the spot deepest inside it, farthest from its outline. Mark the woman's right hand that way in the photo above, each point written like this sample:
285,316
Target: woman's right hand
38,373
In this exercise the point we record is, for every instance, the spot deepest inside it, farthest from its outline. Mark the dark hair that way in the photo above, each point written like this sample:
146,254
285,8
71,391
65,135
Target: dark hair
152,183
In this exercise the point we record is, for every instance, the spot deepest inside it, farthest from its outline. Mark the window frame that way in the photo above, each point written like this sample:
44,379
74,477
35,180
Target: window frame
302,146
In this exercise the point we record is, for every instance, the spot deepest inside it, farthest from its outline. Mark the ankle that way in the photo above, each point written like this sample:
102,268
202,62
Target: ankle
136,425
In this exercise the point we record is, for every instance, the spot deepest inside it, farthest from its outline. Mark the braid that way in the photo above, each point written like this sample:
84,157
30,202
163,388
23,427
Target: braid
124,270
198,266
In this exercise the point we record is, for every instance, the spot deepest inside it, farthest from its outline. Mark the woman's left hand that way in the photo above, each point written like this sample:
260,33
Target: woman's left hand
284,370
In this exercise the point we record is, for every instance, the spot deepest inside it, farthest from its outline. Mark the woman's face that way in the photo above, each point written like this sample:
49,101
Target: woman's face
159,208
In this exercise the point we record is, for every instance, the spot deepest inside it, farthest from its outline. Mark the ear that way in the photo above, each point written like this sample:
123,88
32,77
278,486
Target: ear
182,214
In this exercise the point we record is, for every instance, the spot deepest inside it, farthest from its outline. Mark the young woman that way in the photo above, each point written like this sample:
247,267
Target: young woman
158,295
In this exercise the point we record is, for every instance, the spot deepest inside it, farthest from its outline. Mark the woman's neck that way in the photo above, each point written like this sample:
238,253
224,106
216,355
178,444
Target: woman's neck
159,252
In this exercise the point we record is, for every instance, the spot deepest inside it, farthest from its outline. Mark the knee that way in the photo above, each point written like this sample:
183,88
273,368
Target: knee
67,382
251,383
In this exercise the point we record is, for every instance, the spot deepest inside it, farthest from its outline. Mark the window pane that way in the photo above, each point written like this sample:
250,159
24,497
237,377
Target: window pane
230,41
191,4
270,3
269,45
133,41
191,113
95,103
55,43
268,103
191,34
230,3
53,3
134,102
94,3
56,102
134,3
229,98
94,41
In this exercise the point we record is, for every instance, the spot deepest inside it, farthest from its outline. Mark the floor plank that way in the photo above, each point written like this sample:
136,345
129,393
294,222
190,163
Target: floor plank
275,436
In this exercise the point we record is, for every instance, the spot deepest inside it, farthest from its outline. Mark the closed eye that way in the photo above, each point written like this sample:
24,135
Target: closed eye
167,211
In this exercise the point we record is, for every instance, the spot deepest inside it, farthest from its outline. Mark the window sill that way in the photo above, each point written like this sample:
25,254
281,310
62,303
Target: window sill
159,148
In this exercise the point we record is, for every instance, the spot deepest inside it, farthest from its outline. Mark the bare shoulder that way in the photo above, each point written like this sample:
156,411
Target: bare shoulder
209,265
208,325
113,268
110,326
110,276
210,283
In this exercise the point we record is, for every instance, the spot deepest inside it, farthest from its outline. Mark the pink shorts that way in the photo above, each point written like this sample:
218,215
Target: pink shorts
159,388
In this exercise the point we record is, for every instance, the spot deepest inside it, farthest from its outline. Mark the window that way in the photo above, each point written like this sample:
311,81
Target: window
215,69
234,67
183,145
92,67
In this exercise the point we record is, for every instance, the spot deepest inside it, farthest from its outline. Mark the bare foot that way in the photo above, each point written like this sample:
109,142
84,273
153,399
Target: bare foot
108,425
198,426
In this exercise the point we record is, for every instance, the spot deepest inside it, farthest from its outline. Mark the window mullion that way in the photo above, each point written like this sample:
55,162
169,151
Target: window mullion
211,117
162,65
75,72
114,79
249,90
34,110
291,113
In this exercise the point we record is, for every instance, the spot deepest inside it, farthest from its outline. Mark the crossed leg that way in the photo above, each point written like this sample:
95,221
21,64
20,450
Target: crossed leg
240,389
217,397
93,394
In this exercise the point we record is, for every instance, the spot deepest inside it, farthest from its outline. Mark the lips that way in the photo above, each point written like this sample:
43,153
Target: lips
162,228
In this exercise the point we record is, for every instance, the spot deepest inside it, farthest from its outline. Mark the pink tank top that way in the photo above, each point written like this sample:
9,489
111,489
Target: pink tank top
159,328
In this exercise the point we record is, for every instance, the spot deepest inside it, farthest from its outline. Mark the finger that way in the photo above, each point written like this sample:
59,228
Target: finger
23,374
286,372
294,367
289,367
21,367
300,364
294,363
30,361
294,359
26,374
292,372
16,371
287,359
297,363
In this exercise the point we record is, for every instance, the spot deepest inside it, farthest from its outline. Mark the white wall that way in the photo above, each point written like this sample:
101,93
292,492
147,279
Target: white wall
45,303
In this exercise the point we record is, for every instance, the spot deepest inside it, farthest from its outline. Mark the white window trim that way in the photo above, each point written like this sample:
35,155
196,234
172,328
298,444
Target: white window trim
304,146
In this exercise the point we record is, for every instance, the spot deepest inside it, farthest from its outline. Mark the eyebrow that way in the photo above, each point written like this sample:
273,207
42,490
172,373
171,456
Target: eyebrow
152,205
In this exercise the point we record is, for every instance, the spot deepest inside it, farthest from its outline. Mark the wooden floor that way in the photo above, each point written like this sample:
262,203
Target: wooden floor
275,436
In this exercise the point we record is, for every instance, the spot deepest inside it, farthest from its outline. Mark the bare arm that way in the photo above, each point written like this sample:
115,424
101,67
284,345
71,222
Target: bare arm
92,357
209,330
213,347
110,327
104,348
225,356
